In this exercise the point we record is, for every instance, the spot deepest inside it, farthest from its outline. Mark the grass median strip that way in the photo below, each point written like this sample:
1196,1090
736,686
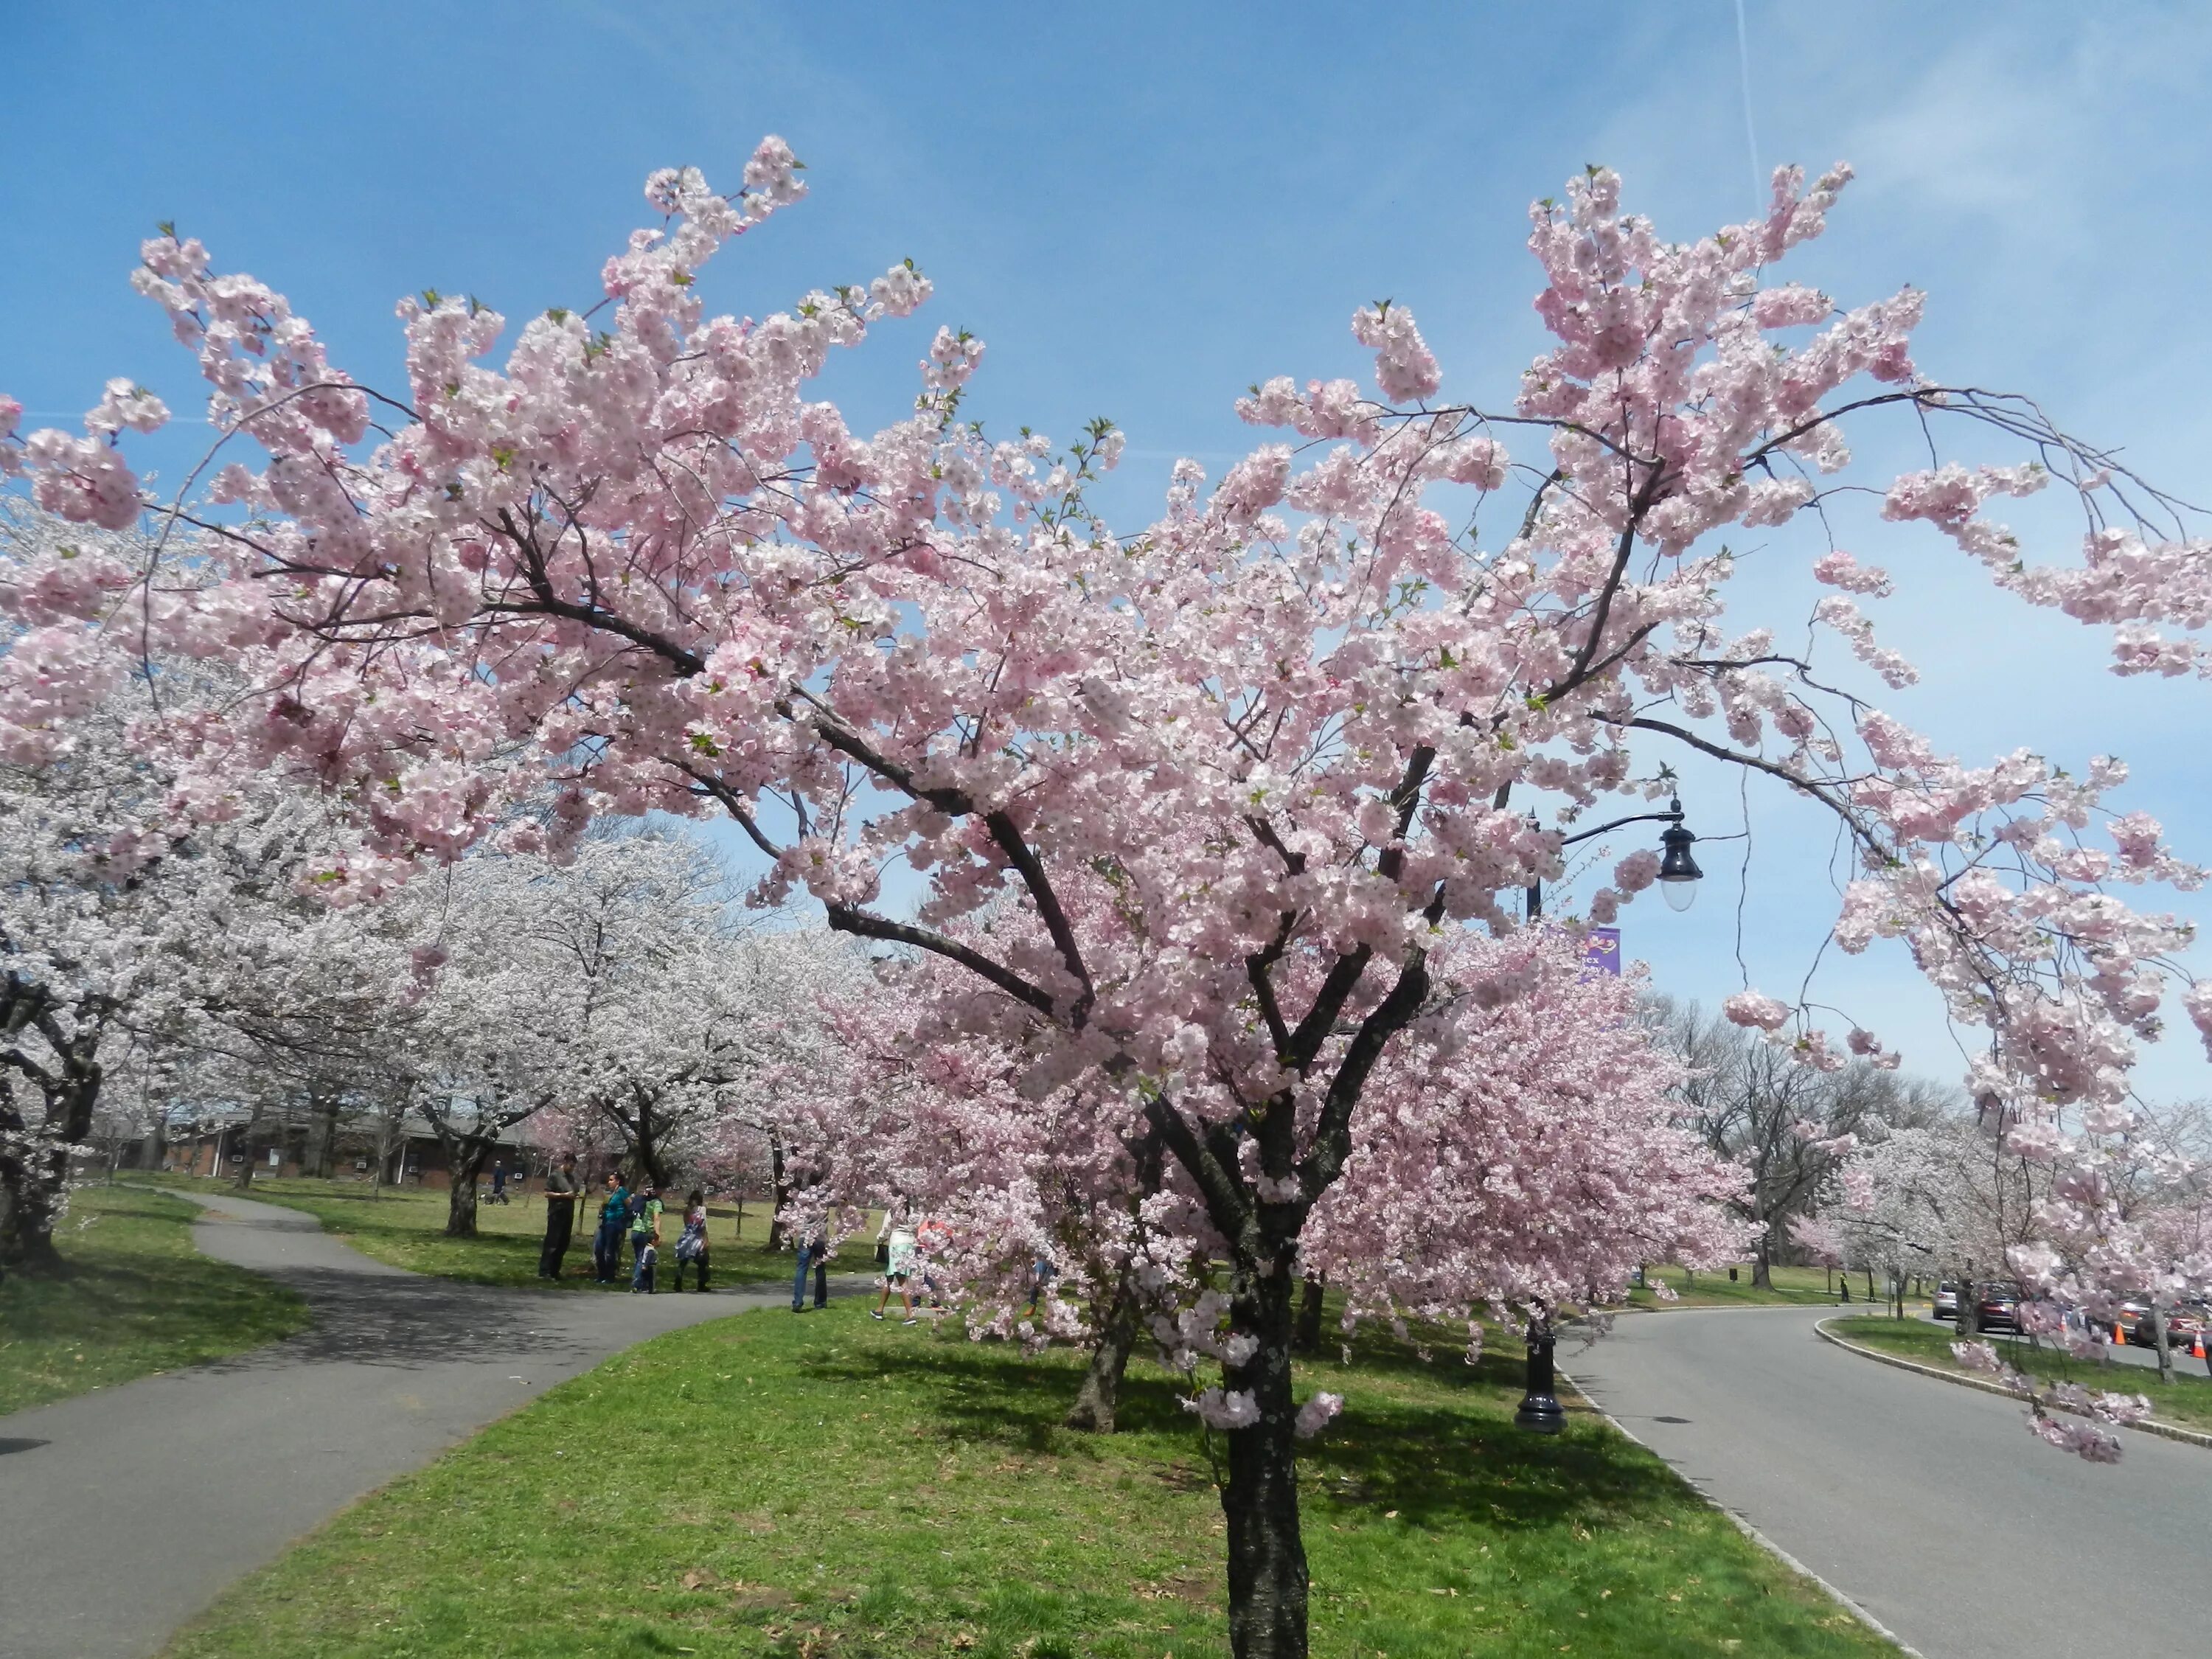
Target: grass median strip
2185,1402
137,1299
768,1485
1795,1287
405,1227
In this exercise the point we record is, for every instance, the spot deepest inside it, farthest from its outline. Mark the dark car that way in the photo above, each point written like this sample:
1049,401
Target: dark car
1997,1309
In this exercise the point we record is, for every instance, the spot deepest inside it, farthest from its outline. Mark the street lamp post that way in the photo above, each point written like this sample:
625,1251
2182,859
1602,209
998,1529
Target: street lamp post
1679,876
1540,1407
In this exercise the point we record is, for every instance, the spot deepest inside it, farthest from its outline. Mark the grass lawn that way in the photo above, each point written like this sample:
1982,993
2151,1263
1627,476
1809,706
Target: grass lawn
405,1226
2185,1402
1793,1287
139,1298
828,1486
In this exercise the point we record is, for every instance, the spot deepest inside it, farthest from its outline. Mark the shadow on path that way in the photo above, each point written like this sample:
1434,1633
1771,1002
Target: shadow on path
125,1512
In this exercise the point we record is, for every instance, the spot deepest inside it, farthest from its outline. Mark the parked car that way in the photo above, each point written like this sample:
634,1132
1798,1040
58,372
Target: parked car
1946,1300
2183,1324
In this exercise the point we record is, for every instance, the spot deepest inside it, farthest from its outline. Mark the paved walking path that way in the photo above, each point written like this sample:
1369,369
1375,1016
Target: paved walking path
1929,1505
123,1513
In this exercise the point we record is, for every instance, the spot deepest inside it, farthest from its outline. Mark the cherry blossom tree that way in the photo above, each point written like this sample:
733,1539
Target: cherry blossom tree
1788,1124
1821,1241
1944,1198
681,1018
134,939
920,1100
1517,1155
1298,722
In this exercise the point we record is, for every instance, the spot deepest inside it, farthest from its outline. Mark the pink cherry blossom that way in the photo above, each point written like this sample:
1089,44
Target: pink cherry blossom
1246,772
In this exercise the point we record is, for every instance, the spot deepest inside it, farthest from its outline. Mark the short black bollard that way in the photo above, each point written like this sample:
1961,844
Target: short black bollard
1540,1410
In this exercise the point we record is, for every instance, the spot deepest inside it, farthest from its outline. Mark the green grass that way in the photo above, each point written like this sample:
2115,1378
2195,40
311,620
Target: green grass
137,1299
2185,1402
1793,1287
406,1227
828,1486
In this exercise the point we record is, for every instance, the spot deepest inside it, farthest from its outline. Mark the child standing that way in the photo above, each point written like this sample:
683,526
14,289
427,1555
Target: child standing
692,1247
645,1239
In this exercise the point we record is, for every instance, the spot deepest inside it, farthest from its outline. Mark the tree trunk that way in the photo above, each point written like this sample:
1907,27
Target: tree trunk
654,1163
2165,1340
1267,1576
1870,1273
323,1142
28,1214
465,1162
244,1179
1762,1263
1969,1311
1101,1393
779,1183
34,1179
645,1138
1307,1337
1096,1400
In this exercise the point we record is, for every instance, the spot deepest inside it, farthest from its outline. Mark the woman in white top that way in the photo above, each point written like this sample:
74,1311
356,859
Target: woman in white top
898,1259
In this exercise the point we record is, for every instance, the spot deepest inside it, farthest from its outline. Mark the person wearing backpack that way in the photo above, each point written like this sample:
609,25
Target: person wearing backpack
614,1222
645,1238
691,1245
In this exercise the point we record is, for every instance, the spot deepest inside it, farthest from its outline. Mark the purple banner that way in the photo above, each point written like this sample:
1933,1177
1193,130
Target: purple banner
1601,950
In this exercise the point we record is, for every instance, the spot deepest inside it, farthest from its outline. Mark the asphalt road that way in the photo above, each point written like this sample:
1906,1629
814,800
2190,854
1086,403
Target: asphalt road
1929,1505
123,1513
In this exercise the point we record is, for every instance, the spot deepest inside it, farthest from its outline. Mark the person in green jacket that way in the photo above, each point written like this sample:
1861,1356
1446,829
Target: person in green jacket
614,1222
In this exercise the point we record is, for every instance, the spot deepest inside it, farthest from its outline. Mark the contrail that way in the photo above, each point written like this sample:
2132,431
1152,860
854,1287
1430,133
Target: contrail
1750,134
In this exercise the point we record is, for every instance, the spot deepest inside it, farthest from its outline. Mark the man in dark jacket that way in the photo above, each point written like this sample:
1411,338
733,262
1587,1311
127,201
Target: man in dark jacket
560,1192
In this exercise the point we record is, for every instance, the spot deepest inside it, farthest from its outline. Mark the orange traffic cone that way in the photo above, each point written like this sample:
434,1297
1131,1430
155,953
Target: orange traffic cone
2197,1348
2119,1335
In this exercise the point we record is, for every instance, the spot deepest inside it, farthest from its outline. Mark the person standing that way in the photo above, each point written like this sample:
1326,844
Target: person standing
561,1193
614,1222
499,1182
897,1235
691,1246
645,1238
810,1243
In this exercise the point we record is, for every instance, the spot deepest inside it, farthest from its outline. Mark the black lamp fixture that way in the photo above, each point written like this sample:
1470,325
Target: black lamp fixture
1679,874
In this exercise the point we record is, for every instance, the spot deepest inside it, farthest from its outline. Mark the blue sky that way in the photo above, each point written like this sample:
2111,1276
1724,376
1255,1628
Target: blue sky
1142,208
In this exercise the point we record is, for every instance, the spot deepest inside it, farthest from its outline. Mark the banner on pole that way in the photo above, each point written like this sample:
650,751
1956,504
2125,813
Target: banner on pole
1601,950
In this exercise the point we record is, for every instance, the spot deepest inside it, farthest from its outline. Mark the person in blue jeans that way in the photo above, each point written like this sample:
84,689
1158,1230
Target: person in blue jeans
614,1222
813,1250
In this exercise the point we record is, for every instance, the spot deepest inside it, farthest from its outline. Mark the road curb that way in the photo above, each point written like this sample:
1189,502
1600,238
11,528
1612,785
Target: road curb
2163,1431
1753,1532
